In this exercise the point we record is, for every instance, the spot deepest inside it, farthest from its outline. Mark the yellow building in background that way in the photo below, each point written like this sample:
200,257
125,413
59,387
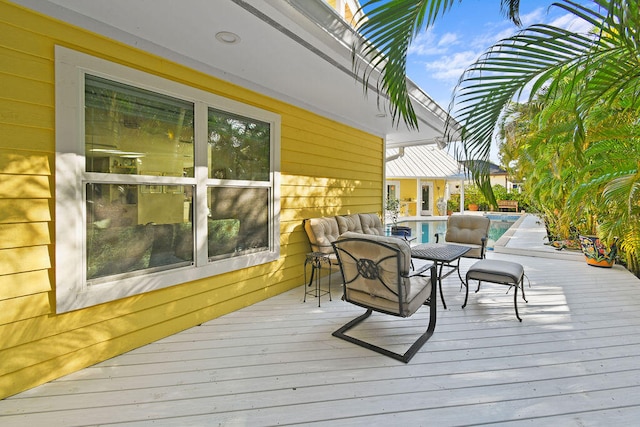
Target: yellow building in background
421,177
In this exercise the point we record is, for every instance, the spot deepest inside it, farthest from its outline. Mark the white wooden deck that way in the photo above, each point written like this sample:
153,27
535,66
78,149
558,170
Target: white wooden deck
573,361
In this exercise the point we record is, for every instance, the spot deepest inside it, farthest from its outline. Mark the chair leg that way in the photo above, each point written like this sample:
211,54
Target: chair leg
515,302
466,294
408,355
515,294
522,287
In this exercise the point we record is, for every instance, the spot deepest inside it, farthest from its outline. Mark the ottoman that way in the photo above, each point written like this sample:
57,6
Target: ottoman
501,272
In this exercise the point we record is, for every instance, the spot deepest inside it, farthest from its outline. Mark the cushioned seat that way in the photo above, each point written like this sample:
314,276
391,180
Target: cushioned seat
501,272
376,273
471,231
323,231
468,230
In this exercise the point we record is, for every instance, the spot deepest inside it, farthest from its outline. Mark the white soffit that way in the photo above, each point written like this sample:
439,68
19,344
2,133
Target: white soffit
297,51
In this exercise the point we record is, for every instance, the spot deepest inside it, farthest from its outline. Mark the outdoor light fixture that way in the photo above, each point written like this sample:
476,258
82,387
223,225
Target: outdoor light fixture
227,37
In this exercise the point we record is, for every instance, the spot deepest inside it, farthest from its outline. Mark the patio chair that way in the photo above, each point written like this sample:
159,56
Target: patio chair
466,230
377,276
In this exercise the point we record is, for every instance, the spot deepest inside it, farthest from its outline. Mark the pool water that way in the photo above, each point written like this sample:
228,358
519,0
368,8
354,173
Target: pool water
425,231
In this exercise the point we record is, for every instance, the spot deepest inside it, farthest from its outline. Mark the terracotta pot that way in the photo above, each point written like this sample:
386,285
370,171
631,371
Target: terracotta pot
473,207
596,253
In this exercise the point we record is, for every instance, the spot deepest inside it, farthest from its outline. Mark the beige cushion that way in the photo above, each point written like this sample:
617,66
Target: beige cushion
496,271
371,224
349,223
322,232
468,230
371,292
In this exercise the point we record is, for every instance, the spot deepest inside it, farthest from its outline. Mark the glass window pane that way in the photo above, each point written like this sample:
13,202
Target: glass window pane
135,131
132,228
238,147
238,220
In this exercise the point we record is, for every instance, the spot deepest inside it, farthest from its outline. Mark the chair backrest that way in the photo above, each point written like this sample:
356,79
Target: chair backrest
375,272
467,229
322,232
371,224
349,223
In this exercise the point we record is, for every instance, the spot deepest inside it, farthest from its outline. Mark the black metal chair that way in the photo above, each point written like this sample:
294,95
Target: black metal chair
376,274
466,230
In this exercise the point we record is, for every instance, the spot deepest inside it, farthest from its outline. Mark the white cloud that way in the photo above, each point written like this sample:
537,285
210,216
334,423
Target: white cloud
572,23
534,17
439,56
448,39
424,44
429,43
450,67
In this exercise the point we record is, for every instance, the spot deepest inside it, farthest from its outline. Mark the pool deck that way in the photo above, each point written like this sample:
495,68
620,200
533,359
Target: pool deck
526,237
574,360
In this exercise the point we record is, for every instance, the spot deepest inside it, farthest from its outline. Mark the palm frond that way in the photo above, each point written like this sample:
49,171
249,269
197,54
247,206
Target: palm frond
553,63
626,186
388,29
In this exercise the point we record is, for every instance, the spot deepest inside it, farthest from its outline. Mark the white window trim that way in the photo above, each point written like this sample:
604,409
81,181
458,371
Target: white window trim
72,292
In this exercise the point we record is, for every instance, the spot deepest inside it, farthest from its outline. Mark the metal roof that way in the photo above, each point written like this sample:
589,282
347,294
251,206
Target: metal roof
422,161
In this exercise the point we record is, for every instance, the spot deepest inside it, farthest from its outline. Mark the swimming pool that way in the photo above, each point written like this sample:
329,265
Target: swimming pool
426,230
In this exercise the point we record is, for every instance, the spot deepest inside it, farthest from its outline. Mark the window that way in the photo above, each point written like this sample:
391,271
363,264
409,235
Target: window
157,183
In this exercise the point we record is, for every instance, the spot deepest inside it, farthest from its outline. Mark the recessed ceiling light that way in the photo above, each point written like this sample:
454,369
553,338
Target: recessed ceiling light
227,37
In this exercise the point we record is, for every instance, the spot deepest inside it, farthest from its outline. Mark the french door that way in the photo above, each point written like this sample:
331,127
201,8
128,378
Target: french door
426,198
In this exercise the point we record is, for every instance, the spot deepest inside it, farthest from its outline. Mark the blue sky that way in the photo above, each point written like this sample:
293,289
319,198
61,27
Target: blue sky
438,56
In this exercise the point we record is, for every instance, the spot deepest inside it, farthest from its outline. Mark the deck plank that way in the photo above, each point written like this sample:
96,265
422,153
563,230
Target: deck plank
574,360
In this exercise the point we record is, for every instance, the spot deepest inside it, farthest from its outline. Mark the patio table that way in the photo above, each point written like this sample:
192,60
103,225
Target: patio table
316,260
441,254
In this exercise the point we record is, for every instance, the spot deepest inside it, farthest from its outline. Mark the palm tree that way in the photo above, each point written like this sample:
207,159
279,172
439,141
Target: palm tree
388,28
577,74
602,66
591,84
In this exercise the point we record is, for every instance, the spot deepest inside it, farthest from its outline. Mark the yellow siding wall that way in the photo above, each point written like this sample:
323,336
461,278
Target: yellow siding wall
36,345
408,197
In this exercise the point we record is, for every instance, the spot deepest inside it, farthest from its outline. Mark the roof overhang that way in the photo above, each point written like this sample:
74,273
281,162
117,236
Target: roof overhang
297,51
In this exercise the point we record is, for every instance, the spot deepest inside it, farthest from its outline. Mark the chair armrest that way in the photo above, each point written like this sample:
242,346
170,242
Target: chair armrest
483,249
421,270
438,237
317,248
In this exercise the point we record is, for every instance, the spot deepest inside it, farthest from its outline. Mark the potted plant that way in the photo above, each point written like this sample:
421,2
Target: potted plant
453,204
392,209
473,197
596,252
